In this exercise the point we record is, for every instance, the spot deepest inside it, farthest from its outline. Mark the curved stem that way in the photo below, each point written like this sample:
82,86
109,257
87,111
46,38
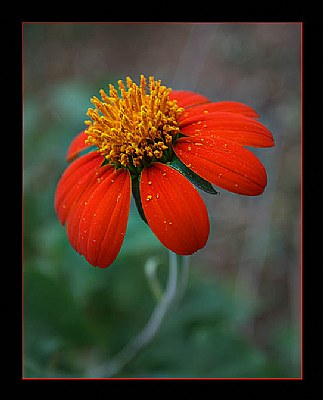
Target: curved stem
145,336
183,279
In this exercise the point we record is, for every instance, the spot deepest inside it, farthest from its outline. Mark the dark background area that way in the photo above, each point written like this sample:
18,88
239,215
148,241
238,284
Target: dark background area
240,316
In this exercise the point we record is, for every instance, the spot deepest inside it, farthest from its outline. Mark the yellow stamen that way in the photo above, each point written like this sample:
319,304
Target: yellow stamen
136,128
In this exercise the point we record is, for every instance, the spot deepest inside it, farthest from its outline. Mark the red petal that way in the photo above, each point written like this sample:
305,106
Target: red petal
174,209
77,145
223,163
97,224
73,182
186,98
221,106
235,127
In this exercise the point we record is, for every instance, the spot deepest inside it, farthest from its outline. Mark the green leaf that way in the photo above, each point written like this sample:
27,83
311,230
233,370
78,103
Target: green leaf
136,195
201,183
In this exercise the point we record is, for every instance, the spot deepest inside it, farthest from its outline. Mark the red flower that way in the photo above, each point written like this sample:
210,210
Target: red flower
152,145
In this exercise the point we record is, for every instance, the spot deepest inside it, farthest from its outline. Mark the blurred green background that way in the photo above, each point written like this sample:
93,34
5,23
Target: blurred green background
240,315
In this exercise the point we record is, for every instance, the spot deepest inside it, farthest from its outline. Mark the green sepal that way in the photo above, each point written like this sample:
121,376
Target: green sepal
199,182
136,196
105,162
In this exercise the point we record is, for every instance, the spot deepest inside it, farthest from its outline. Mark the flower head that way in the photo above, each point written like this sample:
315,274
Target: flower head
136,129
157,144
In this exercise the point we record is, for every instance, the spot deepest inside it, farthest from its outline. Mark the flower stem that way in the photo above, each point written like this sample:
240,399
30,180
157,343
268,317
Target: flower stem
145,336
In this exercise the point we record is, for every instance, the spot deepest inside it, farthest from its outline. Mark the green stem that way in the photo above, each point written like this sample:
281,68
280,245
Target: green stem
146,335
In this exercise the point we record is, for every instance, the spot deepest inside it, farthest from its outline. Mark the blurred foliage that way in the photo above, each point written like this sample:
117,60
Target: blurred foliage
77,316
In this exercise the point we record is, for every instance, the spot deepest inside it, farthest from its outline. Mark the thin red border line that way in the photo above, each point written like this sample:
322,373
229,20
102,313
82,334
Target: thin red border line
164,379
22,202
302,203
301,23
164,22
